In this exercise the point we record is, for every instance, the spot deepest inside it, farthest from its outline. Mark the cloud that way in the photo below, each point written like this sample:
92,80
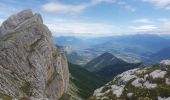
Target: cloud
130,8
165,22
81,28
143,28
94,2
160,26
159,3
142,21
62,8
144,25
57,7
1,21
71,8
65,27
126,6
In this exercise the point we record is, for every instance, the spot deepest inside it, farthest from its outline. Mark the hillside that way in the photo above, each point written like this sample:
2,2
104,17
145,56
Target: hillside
102,61
108,72
138,84
106,66
83,82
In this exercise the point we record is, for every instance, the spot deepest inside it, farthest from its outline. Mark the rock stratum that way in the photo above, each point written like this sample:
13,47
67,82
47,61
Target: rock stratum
31,66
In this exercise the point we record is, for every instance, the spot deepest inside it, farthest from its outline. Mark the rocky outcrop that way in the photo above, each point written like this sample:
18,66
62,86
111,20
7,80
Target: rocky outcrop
151,83
30,64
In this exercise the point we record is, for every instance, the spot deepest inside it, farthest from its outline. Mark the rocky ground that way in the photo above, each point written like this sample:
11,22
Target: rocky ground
151,83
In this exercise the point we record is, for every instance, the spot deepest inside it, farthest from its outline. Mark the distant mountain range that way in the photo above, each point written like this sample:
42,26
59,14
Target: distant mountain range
130,48
162,54
106,66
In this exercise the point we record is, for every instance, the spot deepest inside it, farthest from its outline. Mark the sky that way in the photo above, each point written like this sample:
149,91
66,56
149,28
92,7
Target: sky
96,17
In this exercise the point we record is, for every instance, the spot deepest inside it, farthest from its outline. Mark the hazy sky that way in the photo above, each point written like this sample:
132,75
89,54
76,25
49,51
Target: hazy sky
96,17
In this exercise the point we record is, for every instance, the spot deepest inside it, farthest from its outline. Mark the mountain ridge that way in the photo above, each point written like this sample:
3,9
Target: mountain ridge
101,61
106,66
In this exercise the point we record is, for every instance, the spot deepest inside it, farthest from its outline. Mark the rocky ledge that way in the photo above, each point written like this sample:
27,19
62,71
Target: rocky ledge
31,67
151,83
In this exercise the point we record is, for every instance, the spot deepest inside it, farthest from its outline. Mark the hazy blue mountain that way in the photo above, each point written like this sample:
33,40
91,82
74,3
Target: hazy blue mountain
161,55
141,44
146,40
130,48
67,40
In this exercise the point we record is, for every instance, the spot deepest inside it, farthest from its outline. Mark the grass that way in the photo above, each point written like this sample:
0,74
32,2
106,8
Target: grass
65,97
162,90
33,45
5,96
26,88
85,81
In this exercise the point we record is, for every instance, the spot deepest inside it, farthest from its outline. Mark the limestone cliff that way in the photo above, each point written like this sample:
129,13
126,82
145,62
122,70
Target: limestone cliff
30,64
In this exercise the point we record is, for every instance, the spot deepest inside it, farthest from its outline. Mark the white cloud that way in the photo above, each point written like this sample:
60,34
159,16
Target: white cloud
160,26
1,20
94,2
130,8
146,25
166,23
62,8
65,27
126,6
144,28
159,3
70,8
81,28
142,21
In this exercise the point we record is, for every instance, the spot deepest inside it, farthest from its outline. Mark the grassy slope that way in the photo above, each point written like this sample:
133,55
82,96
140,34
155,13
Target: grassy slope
85,81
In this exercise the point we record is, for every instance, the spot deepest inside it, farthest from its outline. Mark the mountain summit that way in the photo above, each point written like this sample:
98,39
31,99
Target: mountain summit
101,61
16,21
107,66
31,67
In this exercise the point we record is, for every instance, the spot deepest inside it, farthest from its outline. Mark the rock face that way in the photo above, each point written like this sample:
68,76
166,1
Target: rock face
137,84
30,64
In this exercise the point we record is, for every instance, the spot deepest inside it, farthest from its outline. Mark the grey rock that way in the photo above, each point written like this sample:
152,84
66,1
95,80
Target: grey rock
31,66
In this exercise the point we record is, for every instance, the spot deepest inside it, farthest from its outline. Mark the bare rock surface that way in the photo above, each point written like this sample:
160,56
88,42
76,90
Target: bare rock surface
30,64
145,83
